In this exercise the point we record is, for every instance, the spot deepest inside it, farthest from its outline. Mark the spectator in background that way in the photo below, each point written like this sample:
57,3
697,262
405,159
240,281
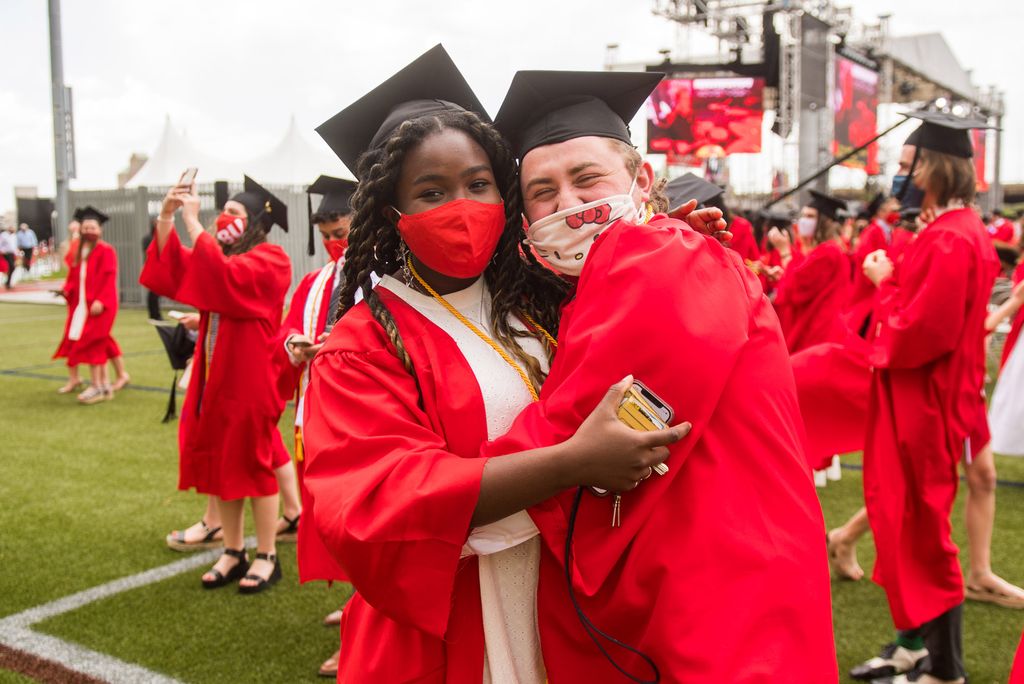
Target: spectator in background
152,298
27,243
1001,229
8,248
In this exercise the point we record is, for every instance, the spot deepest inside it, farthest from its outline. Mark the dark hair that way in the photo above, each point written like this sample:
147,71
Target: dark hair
947,176
825,229
255,234
327,216
517,282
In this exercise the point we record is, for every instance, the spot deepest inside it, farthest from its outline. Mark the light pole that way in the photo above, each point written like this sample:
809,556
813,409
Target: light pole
61,124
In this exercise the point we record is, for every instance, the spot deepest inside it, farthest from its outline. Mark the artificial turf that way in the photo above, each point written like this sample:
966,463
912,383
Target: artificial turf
88,493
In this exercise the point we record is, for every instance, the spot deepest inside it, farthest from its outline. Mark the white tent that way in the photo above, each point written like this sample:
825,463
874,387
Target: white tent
295,161
173,154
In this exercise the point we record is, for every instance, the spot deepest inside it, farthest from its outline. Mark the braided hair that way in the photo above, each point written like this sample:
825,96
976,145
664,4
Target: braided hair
517,282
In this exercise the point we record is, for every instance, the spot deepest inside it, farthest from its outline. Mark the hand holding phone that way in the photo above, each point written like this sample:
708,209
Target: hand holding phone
188,177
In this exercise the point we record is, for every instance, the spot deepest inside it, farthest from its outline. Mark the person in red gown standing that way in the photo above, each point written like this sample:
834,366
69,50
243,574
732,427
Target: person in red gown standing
927,409
814,288
693,569
91,292
311,315
437,358
228,429
883,233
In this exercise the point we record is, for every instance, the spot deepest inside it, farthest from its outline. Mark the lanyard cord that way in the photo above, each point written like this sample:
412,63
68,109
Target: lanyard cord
592,631
482,335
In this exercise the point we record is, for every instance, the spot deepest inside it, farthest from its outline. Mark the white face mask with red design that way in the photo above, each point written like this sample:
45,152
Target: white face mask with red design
565,237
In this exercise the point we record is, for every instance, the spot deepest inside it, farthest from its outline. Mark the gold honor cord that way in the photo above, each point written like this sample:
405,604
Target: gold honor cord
482,335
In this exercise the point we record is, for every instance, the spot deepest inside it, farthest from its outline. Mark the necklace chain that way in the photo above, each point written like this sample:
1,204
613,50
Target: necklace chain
481,334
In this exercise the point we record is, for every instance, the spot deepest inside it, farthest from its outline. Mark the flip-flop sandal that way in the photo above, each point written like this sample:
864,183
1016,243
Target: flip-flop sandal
291,531
213,539
988,596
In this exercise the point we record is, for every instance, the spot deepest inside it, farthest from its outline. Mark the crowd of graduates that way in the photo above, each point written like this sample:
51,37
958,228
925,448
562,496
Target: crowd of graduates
556,419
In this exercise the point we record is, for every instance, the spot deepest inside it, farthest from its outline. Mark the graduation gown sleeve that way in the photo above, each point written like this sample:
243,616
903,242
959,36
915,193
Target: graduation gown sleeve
392,503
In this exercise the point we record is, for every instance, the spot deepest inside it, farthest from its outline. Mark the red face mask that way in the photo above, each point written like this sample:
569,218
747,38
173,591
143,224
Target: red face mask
90,237
336,248
229,228
892,218
456,239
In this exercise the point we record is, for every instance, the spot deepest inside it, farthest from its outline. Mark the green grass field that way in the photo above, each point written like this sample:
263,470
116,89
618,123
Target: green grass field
88,493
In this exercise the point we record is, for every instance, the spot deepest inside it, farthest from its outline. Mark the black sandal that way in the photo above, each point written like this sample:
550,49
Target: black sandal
240,568
176,539
262,584
289,533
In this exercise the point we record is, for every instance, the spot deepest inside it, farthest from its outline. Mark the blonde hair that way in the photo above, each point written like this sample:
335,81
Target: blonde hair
633,160
947,177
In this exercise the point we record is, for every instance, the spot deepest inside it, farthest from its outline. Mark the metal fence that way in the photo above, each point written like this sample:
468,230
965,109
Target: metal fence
131,211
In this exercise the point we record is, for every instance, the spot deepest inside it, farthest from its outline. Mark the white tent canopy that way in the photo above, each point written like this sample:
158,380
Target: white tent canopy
292,161
295,161
173,154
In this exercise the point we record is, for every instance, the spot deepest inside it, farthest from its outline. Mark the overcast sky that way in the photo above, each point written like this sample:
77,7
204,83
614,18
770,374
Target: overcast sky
231,72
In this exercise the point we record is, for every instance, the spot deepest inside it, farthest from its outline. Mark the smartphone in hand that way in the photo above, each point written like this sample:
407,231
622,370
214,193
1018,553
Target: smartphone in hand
188,177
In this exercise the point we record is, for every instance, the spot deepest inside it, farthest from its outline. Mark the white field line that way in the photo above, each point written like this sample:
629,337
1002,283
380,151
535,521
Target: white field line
16,630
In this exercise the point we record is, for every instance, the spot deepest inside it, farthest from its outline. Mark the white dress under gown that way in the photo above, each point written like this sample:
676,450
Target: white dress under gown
1006,411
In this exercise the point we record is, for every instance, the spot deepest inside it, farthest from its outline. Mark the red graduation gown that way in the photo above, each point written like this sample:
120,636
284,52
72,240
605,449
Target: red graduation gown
811,297
718,570
96,345
862,294
315,561
926,401
771,257
394,477
1017,673
229,419
1018,320
743,242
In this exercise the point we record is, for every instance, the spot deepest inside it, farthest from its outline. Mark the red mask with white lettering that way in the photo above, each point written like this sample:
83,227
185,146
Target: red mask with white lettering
892,218
456,239
229,228
336,248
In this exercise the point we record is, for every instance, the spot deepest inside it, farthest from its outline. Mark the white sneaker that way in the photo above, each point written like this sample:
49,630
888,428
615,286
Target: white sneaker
834,471
820,479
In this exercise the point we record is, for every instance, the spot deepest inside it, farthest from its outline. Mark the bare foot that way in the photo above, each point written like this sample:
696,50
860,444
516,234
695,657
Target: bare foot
121,382
71,386
842,556
991,588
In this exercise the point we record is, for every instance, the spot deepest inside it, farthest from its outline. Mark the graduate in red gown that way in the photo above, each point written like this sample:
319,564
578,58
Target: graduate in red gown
1017,672
437,358
228,433
74,382
311,315
812,292
883,233
693,569
91,292
927,410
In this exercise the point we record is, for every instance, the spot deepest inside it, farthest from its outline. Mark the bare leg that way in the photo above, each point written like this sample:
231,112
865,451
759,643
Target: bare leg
980,512
122,375
197,532
264,512
233,522
842,546
288,485
74,380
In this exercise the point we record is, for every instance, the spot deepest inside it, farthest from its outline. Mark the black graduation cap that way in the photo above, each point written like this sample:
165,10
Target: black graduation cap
180,348
429,84
262,205
335,194
945,133
547,107
827,205
682,189
90,212
875,204
777,217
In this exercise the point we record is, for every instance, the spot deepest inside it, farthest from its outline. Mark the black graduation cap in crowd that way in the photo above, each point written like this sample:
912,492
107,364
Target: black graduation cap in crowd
90,212
335,194
774,216
945,133
262,205
547,107
179,347
827,205
682,189
429,84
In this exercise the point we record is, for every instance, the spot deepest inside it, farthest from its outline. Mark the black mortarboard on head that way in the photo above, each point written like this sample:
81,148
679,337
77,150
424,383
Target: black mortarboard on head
262,205
682,189
335,194
90,212
827,205
945,133
179,347
428,85
874,205
548,107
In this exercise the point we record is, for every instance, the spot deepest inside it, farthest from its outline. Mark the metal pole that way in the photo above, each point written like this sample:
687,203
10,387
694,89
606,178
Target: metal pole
60,141
997,180
835,162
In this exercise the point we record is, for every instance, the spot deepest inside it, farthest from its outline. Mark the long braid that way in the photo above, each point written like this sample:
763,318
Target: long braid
516,280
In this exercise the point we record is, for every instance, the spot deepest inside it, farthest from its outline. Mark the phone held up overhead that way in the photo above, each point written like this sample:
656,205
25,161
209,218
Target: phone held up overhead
188,177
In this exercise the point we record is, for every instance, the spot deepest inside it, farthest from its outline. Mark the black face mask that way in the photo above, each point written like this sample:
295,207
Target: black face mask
903,188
